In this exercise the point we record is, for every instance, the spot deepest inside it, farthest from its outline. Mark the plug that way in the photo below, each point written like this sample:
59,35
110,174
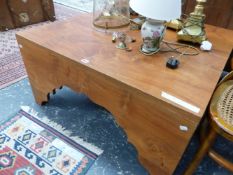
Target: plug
172,63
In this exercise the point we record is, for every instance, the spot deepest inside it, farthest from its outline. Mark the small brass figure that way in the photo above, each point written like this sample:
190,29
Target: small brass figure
193,28
175,24
114,39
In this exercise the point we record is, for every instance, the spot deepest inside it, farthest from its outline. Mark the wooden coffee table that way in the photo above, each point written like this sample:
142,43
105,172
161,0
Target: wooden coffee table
158,108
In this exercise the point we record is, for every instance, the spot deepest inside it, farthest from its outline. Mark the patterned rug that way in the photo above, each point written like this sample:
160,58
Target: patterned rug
82,5
29,146
11,64
11,69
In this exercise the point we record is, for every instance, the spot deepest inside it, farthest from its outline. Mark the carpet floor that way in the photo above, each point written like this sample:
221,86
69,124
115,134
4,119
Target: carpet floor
30,145
11,65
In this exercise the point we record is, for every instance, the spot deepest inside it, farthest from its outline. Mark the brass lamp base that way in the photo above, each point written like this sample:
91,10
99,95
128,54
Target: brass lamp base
193,29
193,35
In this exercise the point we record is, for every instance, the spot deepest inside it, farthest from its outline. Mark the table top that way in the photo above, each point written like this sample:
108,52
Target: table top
189,87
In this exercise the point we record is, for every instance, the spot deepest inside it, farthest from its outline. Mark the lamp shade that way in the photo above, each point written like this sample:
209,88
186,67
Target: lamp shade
164,10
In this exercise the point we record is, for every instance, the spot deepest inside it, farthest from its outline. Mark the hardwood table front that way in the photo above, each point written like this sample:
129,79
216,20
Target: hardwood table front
159,108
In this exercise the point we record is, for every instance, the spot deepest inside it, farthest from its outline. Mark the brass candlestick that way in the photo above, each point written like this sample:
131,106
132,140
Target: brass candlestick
193,28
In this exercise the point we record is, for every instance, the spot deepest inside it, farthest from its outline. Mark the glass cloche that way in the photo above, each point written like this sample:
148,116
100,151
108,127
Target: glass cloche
111,14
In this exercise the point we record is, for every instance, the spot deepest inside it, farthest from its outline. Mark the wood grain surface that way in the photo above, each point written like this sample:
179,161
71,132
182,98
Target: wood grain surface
128,84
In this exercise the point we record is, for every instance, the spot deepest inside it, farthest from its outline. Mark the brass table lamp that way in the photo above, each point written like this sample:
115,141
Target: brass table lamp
193,28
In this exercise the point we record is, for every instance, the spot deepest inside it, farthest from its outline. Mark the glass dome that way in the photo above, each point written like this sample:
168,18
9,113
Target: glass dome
111,14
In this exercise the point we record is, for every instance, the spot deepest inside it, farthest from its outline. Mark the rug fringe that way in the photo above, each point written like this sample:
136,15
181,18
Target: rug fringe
62,130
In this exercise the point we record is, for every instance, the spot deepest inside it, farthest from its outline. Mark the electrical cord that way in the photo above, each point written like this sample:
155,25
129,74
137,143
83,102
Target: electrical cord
180,46
171,48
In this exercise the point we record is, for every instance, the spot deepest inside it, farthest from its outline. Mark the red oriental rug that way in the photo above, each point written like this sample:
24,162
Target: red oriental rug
29,146
11,64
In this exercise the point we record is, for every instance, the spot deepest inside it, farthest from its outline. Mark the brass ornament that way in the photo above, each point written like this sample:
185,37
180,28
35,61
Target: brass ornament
174,24
24,18
193,28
